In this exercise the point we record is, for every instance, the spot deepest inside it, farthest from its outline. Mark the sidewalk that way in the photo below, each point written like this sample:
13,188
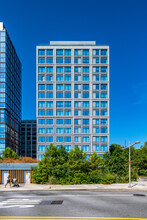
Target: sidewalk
136,186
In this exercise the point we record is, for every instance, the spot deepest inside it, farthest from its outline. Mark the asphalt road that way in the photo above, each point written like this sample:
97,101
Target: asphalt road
75,204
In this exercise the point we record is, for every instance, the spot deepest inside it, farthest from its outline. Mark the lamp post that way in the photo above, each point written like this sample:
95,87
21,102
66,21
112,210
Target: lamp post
137,142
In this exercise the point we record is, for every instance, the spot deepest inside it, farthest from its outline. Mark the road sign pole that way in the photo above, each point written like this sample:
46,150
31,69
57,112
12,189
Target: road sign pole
129,167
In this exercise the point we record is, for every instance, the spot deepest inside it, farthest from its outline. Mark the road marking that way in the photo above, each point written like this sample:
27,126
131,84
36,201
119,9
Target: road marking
20,203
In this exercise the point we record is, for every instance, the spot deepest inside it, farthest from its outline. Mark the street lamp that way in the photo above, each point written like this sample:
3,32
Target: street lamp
137,142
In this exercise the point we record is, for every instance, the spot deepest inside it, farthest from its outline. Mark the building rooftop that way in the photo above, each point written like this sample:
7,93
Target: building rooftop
17,166
72,43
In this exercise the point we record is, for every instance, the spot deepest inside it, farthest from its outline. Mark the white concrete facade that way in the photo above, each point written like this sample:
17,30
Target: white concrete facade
97,90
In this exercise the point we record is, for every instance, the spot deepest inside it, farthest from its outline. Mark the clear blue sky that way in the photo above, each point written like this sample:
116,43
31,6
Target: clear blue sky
120,23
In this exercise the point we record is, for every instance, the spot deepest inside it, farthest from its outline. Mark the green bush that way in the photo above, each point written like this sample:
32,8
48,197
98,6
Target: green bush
61,167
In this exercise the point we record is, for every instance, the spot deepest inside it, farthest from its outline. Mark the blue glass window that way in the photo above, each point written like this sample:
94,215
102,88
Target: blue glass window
49,60
49,78
59,112
104,139
103,112
59,60
85,95
68,147
67,69
41,60
67,87
41,130
67,121
85,139
59,87
40,70
41,112
67,130
41,139
104,104
104,121
104,69
67,95
86,130
59,78
59,52
59,95
49,121
104,78
97,121
49,86
96,112
49,112
104,130
59,130
86,78
49,130
67,112
76,87
41,104
85,86
95,60
85,52
85,121
95,69
67,77
103,147
41,95
85,60
67,104
41,148
104,87
59,139
49,52
41,87
76,121
103,60
85,147
41,78
67,52
40,156
67,139
85,69
49,104
67,60
41,121
97,130
103,95
85,112
41,52
103,52
49,139
49,95
59,121
96,139
95,52
77,52
59,69
85,104
96,104
59,104
49,69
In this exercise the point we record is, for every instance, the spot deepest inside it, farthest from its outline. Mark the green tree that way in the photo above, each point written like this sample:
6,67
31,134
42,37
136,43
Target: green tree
9,153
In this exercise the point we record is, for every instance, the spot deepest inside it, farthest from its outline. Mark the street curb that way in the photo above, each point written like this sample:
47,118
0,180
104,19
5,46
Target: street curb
68,190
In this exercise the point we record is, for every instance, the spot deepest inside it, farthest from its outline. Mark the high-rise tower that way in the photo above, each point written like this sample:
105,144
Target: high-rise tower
10,93
73,96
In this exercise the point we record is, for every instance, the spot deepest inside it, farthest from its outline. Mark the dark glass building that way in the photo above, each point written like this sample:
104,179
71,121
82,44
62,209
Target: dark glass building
28,138
10,93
